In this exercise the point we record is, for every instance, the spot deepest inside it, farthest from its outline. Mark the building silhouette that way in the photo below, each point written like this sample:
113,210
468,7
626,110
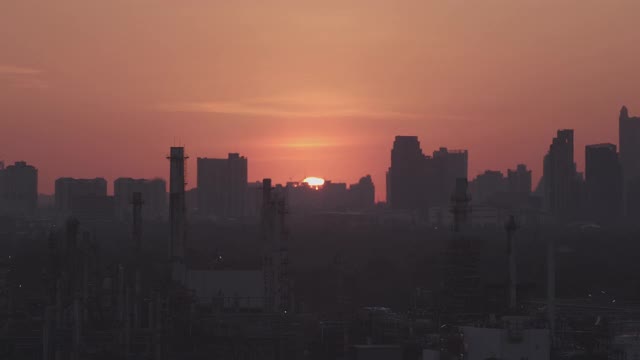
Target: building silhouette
443,170
405,186
629,138
487,186
519,180
362,195
418,182
562,183
153,192
177,215
18,189
603,182
83,198
330,196
222,186
629,142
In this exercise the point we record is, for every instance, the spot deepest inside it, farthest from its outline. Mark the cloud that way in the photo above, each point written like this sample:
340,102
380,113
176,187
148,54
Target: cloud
17,70
292,106
21,77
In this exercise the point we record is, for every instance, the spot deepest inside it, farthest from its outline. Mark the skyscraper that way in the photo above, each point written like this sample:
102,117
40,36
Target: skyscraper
629,142
362,194
19,189
405,185
603,178
519,180
629,138
222,186
444,169
69,191
418,182
487,185
562,183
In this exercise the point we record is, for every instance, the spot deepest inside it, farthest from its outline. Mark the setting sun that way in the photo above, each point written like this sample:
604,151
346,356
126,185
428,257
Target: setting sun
314,181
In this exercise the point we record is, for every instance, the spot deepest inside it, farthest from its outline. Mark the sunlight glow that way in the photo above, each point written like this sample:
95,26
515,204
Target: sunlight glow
314,181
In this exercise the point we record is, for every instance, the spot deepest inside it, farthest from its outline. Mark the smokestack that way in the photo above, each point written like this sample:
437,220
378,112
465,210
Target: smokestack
177,213
511,228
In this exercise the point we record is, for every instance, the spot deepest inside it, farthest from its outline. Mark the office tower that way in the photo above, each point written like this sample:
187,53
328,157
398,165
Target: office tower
74,195
222,186
629,142
603,182
177,214
629,138
405,185
18,189
519,180
487,185
153,192
362,194
444,168
562,182
253,203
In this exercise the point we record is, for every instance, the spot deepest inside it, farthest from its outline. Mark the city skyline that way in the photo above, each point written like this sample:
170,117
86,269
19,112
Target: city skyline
381,194
335,180
295,87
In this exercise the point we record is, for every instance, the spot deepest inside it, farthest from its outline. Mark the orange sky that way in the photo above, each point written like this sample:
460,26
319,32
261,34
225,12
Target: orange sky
103,88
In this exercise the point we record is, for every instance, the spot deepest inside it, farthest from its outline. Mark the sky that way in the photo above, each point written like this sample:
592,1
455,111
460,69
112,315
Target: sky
308,88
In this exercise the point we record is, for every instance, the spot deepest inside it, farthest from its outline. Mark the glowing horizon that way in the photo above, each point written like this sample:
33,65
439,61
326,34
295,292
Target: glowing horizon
304,87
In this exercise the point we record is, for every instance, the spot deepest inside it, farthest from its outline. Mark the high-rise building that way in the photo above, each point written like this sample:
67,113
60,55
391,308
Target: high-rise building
629,138
629,142
562,185
222,186
363,194
487,185
444,169
18,189
153,192
73,194
416,181
603,177
519,180
405,186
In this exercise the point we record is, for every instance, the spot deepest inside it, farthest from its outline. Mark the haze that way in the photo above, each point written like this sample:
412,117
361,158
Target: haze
103,88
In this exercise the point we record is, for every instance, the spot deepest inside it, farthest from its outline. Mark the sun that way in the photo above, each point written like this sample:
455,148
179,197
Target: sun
314,182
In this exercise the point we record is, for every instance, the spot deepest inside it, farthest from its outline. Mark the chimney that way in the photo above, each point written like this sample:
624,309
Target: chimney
177,213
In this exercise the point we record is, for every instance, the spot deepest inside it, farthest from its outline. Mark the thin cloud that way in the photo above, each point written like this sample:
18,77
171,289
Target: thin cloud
17,70
21,77
295,106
